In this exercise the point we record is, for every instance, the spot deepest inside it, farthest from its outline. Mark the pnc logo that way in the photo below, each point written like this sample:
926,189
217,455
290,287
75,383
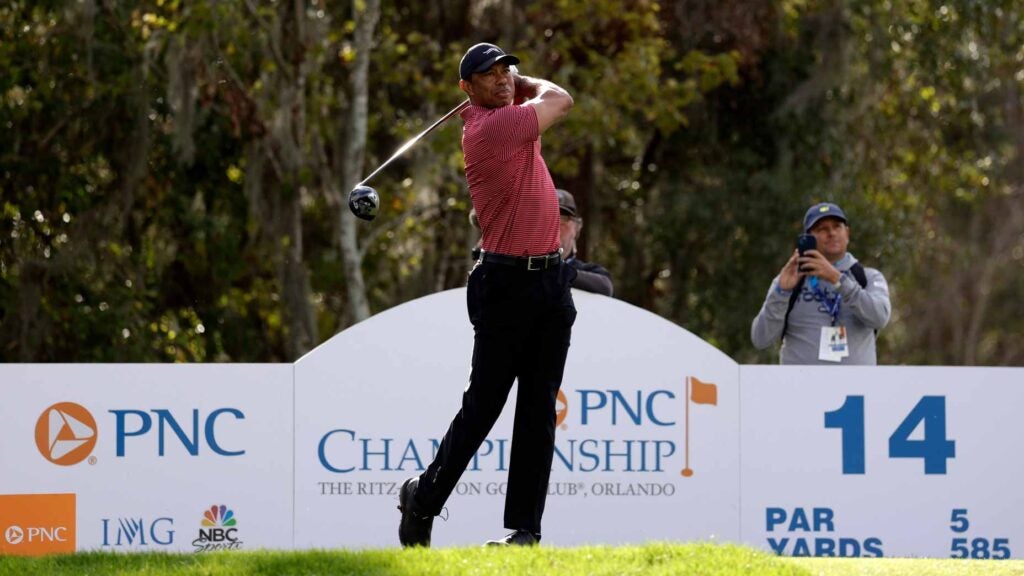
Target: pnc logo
561,408
14,535
37,524
65,433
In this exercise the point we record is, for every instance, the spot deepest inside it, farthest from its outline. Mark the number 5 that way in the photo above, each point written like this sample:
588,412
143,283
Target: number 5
958,521
960,546
1001,546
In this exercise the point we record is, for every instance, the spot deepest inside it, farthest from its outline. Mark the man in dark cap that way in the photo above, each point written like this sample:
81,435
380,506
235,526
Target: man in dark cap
590,277
519,297
824,306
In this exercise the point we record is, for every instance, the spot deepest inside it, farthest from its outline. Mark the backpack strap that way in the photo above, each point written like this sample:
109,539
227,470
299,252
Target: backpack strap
792,302
858,274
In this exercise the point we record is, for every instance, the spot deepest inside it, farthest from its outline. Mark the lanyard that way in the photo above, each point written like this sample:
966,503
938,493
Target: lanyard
831,304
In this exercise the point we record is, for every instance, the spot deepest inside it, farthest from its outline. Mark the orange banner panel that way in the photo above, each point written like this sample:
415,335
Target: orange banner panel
37,524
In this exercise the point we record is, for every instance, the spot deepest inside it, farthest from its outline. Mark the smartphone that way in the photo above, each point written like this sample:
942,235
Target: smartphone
806,242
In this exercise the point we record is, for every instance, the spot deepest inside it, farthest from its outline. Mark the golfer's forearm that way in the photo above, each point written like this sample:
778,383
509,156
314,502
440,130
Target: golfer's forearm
531,88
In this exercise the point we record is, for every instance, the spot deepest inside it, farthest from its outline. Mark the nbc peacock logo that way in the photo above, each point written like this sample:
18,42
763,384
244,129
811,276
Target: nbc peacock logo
219,516
218,530
66,433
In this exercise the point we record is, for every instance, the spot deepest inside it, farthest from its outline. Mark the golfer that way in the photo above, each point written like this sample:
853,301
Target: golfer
519,297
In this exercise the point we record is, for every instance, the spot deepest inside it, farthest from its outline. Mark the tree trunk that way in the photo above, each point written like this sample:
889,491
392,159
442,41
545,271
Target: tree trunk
355,147
302,333
288,136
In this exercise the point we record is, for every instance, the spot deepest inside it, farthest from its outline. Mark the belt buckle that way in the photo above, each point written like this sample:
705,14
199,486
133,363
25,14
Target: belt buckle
529,262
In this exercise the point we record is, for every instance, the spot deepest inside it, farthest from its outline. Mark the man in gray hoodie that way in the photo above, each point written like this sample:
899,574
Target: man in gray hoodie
824,306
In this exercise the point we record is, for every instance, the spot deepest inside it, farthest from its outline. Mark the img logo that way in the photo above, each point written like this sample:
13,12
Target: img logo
65,433
218,531
138,532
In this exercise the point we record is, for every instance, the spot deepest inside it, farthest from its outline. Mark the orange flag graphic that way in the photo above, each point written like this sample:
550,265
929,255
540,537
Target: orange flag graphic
700,393
703,393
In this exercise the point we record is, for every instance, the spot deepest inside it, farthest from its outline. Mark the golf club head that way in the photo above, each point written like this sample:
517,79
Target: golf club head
364,202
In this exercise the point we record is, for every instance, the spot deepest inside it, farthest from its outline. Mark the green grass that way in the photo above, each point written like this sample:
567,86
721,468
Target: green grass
651,559
909,567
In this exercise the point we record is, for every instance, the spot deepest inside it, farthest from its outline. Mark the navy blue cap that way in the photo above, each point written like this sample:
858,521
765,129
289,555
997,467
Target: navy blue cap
822,210
566,202
481,57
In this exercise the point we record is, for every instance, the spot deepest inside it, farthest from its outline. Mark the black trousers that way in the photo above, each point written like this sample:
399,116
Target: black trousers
522,322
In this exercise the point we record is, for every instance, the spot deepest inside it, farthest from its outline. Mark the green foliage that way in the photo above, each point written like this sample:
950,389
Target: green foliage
935,111
170,185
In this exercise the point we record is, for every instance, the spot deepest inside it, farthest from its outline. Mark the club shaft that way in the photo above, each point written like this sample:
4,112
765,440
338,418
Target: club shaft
416,139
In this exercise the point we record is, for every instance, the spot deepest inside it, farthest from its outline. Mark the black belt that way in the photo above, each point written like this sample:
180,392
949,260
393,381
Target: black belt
541,262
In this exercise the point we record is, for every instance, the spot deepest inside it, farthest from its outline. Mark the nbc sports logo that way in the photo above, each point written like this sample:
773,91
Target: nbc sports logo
218,530
65,433
219,516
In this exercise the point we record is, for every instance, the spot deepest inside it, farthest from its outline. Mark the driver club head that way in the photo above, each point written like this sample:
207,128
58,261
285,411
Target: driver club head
364,202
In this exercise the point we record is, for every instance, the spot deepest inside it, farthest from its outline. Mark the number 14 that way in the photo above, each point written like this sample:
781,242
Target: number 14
934,449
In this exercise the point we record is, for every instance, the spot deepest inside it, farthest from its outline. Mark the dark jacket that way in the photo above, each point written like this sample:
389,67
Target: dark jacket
591,277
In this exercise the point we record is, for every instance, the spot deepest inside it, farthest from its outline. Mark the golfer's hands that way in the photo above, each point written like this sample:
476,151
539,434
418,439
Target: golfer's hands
525,89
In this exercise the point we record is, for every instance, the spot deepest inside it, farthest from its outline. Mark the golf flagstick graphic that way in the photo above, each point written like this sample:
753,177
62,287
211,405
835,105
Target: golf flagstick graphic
699,393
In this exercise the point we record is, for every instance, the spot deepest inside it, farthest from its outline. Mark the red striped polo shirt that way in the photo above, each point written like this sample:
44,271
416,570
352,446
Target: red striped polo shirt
510,185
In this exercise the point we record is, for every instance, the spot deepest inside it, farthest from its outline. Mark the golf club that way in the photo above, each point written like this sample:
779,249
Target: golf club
363,200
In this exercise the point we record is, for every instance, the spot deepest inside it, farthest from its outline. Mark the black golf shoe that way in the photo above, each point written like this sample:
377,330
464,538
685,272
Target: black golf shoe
414,529
517,538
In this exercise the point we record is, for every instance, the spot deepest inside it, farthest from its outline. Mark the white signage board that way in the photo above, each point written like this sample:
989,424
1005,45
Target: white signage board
175,457
883,461
827,461
644,402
